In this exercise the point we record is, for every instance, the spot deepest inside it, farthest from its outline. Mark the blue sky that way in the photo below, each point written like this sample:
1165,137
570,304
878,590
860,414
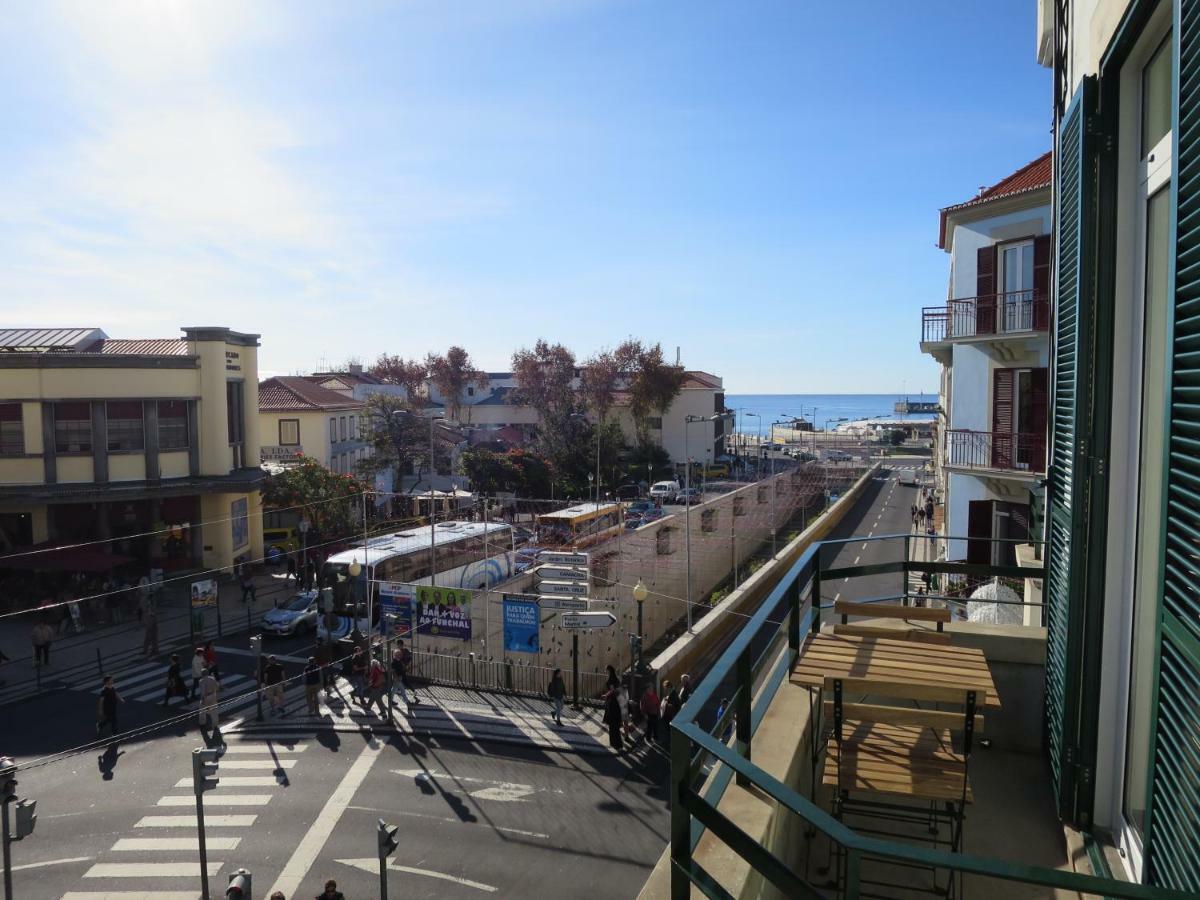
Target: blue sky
754,182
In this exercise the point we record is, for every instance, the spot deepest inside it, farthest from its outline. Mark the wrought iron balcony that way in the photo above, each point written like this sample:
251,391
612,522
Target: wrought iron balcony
1013,313
996,450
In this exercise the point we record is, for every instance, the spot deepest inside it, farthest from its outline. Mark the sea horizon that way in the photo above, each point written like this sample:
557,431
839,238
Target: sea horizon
757,411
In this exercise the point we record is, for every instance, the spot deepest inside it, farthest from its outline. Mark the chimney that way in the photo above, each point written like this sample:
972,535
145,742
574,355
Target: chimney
356,368
676,354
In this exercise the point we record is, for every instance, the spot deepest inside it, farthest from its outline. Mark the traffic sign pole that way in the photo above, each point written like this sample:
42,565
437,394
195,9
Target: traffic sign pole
575,667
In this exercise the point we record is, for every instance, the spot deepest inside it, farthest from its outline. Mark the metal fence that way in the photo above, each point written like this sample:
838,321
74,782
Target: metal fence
502,675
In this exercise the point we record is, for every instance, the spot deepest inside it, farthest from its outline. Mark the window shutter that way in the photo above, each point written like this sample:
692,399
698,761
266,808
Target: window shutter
1002,418
1041,282
985,290
1173,851
1066,521
1035,441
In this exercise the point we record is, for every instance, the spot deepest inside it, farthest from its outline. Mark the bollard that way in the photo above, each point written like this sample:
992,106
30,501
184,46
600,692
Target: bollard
471,656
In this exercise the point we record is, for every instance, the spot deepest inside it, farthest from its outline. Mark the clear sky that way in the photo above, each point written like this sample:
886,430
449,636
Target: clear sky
755,182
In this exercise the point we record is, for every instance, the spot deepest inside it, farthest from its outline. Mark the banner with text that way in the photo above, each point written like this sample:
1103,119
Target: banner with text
396,601
444,612
521,624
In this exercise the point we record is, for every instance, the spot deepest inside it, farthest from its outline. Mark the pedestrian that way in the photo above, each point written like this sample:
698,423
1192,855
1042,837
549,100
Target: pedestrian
721,707
376,687
248,586
324,659
358,674
42,635
272,679
927,577
612,681
175,683
312,686
613,719
150,633
652,712
670,704
929,509
210,690
558,694
143,592
407,660
210,660
106,708
914,515
291,563
331,892
919,600
685,689
197,671
399,676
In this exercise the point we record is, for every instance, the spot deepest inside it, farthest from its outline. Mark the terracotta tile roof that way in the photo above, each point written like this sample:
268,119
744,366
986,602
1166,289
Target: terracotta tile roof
1032,177
140,347
295,393
693,380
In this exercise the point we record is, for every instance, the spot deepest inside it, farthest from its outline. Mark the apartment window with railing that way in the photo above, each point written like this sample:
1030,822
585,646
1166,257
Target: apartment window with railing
73,427
12,429
126,426
172,425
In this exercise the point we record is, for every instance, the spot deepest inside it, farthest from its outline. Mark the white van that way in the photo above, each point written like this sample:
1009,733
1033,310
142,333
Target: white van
664,491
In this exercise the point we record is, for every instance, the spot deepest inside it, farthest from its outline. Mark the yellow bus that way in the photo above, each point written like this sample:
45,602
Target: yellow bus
579,525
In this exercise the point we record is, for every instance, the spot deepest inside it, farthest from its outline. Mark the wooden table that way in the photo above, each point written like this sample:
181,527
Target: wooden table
906,662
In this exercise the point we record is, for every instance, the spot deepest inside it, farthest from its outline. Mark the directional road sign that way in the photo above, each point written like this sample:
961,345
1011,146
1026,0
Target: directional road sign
562,573
562,558
555,601
577,588
587,620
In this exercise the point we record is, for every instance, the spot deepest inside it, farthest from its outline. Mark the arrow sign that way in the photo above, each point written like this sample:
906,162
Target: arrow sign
578,588
562,573
587,620
560,558
551,601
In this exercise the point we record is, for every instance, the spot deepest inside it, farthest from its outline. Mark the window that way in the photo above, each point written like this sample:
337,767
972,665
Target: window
342,428
289,432
73,427
12,428
235,412
470,391
172,425
353,429
126,428
654,423
332,430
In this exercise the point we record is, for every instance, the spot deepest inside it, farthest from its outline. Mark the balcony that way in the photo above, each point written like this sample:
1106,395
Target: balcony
992,320
750,816
996,451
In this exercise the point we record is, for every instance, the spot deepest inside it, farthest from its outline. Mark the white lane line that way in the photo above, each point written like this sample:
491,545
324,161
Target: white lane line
130,895
869,534
318,833
237,781
161,689
150,870
857,558
52,862
451,821
269,765
243,821
264,747
372,865
215,799
187,843
238,651
123,684
837,596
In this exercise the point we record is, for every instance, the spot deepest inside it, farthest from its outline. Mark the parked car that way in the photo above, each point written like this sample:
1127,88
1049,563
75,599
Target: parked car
688,496
664,491
838,456
297,616
651,515
638,508
628,492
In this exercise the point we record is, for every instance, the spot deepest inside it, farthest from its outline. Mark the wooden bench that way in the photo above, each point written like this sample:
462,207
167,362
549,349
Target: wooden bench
921,635
847,608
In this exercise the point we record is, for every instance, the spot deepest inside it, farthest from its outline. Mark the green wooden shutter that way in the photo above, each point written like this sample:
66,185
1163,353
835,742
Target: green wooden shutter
1174,847
1067,505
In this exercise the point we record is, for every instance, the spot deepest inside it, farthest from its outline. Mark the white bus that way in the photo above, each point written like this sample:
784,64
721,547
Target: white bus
464,555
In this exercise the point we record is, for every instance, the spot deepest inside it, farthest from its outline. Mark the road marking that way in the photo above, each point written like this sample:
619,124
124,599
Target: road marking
214,799
837,596
123,684
857,558
434,773
269,764
372,865
318,833
264,747
130,895
159,689
151,870
238,651
52,862
447,819
242,821
869,534
187,843
236,781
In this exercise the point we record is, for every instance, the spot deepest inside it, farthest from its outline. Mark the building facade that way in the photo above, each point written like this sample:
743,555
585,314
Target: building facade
991,338
1123,522
300,417
146,442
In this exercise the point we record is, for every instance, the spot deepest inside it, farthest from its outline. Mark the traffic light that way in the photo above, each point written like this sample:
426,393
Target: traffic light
239,885
387,839
204,769
26,818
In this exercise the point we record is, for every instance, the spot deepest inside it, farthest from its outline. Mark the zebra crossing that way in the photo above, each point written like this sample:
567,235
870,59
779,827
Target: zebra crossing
146,683
161,861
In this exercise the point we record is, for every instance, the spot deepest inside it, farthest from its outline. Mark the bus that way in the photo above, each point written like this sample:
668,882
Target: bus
465,555
579,525
281,529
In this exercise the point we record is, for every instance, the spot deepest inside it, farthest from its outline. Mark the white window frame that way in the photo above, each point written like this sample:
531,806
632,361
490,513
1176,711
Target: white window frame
333,429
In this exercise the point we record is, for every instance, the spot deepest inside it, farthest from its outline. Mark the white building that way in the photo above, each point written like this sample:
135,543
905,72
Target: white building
992,340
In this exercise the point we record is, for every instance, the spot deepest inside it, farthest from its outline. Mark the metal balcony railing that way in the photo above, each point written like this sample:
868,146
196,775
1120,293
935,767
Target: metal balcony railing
997,450
755,664
1015,312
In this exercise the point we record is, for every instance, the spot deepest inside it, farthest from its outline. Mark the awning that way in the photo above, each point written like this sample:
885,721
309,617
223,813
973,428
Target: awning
50,557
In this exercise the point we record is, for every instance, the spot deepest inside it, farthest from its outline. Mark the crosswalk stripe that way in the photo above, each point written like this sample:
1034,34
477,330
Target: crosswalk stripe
215,799
123,682
264,748
131,895
187,843
237,781
150,870
243,821
261,764
160,689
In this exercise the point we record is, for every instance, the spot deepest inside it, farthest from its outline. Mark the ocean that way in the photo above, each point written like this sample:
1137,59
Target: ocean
834,407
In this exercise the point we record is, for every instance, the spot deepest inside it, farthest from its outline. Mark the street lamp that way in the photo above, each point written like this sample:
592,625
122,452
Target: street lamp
302,526
758,449
354,570
639,595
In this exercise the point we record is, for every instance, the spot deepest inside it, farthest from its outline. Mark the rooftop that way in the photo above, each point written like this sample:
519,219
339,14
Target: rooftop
296,393
1034,176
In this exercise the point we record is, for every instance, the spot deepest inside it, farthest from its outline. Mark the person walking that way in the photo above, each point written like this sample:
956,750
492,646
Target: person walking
324,659
210,691
611,681
41,636
920,516
358,674
175,683
613,719
272,680
399,678
106,708
376,687
652,712
558,695
248,592
685,689
150,633
331,892
312,686
210,660
290,556
143,595
914,515
197,671
670,704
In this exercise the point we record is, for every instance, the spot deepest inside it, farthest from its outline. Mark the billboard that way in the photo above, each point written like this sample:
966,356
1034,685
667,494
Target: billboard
396,599
522,621
443,611
204,593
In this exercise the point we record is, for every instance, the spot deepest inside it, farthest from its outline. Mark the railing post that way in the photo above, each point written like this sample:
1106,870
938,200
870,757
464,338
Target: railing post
745,704
816,592
793,595
904,570
850,886
681,819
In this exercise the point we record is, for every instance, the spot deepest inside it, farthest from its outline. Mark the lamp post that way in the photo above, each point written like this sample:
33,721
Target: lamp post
354,570
758,450
303,525
639,596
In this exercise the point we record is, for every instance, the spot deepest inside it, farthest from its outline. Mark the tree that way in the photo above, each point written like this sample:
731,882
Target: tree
897,437
331,502
599,380
545,379
398,436
510,471
452,374
653,384
408,373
